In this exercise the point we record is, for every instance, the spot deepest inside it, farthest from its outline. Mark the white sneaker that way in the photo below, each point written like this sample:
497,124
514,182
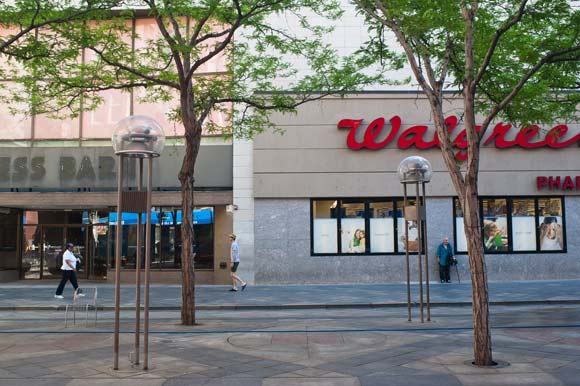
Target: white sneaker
58,297
81,295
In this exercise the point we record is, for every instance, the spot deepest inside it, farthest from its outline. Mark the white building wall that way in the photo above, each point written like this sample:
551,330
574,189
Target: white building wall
243,199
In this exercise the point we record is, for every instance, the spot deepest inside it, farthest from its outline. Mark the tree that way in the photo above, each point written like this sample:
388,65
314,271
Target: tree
191,34
514,59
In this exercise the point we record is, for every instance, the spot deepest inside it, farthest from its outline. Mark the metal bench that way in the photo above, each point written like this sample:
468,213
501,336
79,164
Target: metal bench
84,300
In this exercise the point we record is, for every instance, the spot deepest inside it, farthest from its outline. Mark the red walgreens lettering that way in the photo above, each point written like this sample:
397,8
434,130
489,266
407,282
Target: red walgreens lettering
415,136
555,183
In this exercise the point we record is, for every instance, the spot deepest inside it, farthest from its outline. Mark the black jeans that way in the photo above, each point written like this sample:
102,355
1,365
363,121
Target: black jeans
66,276
444,273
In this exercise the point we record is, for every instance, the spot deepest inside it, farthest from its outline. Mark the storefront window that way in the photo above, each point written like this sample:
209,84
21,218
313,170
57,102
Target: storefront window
412,229
551,227
353,231
460,240
357,226
524,224
8,238
166,238
495,235
324,226
517,225
382,227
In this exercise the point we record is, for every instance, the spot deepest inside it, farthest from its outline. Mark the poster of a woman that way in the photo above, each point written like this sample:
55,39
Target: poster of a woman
357,243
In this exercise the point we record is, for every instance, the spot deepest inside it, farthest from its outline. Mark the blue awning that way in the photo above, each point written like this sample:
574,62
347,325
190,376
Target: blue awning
200,217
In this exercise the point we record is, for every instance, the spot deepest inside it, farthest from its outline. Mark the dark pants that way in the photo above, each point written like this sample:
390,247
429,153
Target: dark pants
66,276
444,273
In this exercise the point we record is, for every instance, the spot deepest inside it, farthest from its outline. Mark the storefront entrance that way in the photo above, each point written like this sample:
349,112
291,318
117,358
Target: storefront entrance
45,233
44,246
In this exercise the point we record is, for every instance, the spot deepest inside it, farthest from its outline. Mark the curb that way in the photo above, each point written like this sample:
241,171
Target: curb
234,307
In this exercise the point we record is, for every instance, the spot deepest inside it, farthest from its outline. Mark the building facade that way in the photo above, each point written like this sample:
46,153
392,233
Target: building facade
58,183
327,202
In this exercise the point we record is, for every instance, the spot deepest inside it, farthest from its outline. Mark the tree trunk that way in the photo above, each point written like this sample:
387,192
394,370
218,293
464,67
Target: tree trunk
187,179
187,240
467,191
481,330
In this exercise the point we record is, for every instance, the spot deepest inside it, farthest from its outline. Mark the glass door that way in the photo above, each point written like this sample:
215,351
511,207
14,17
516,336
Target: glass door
42,251
32,251
99,250
53,248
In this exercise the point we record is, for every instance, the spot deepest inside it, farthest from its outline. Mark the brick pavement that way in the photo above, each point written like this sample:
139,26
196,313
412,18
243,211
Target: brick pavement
295,347
298,335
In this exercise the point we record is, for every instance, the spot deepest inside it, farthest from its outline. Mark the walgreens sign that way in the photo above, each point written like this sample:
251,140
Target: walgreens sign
377,136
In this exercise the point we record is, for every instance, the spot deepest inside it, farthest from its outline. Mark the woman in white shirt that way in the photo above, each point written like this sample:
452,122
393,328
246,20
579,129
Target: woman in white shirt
69,271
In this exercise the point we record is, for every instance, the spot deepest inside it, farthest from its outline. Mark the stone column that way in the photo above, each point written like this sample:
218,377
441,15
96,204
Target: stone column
244,206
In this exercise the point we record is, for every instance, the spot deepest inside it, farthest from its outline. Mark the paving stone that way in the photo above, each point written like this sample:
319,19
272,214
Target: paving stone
568,376
117,382
288,367
509,379
35,382
28,371
311,382
421,380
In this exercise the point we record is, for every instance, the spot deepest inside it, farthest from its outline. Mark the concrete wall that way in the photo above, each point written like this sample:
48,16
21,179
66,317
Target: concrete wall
312,159
282,250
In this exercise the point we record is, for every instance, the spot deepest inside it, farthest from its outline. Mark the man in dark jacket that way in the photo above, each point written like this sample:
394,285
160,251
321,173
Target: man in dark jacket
445,258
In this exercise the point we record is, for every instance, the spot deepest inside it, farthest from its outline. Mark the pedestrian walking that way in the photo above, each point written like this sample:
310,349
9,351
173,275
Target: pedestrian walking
234,263
69,271
445,258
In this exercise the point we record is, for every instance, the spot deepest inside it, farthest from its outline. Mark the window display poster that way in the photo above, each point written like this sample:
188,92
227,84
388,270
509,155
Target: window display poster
461,239
524,233
353,235
324,234
495,234
413,235
551,233
382,235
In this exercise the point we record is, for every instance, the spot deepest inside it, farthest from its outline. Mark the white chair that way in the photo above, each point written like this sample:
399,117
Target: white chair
84,300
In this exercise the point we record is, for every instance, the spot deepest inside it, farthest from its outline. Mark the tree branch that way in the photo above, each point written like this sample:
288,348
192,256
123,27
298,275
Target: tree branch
494,42
133,71
168,38
553,57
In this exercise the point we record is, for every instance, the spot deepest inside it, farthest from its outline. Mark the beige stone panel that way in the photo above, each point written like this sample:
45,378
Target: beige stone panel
223,226
565,159
515,183
315,125
378,184
381,184
337,160
387,160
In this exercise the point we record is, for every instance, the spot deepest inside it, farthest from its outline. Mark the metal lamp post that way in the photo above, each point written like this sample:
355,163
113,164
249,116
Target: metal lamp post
140,137
416,171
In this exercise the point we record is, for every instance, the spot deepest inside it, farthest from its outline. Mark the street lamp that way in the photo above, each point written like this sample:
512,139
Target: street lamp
416,171
136,136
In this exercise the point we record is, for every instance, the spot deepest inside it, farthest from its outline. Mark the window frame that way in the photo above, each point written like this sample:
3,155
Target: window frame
509,230
366,202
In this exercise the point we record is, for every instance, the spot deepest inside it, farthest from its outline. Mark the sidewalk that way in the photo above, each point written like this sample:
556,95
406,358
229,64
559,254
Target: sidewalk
39,296
264,345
